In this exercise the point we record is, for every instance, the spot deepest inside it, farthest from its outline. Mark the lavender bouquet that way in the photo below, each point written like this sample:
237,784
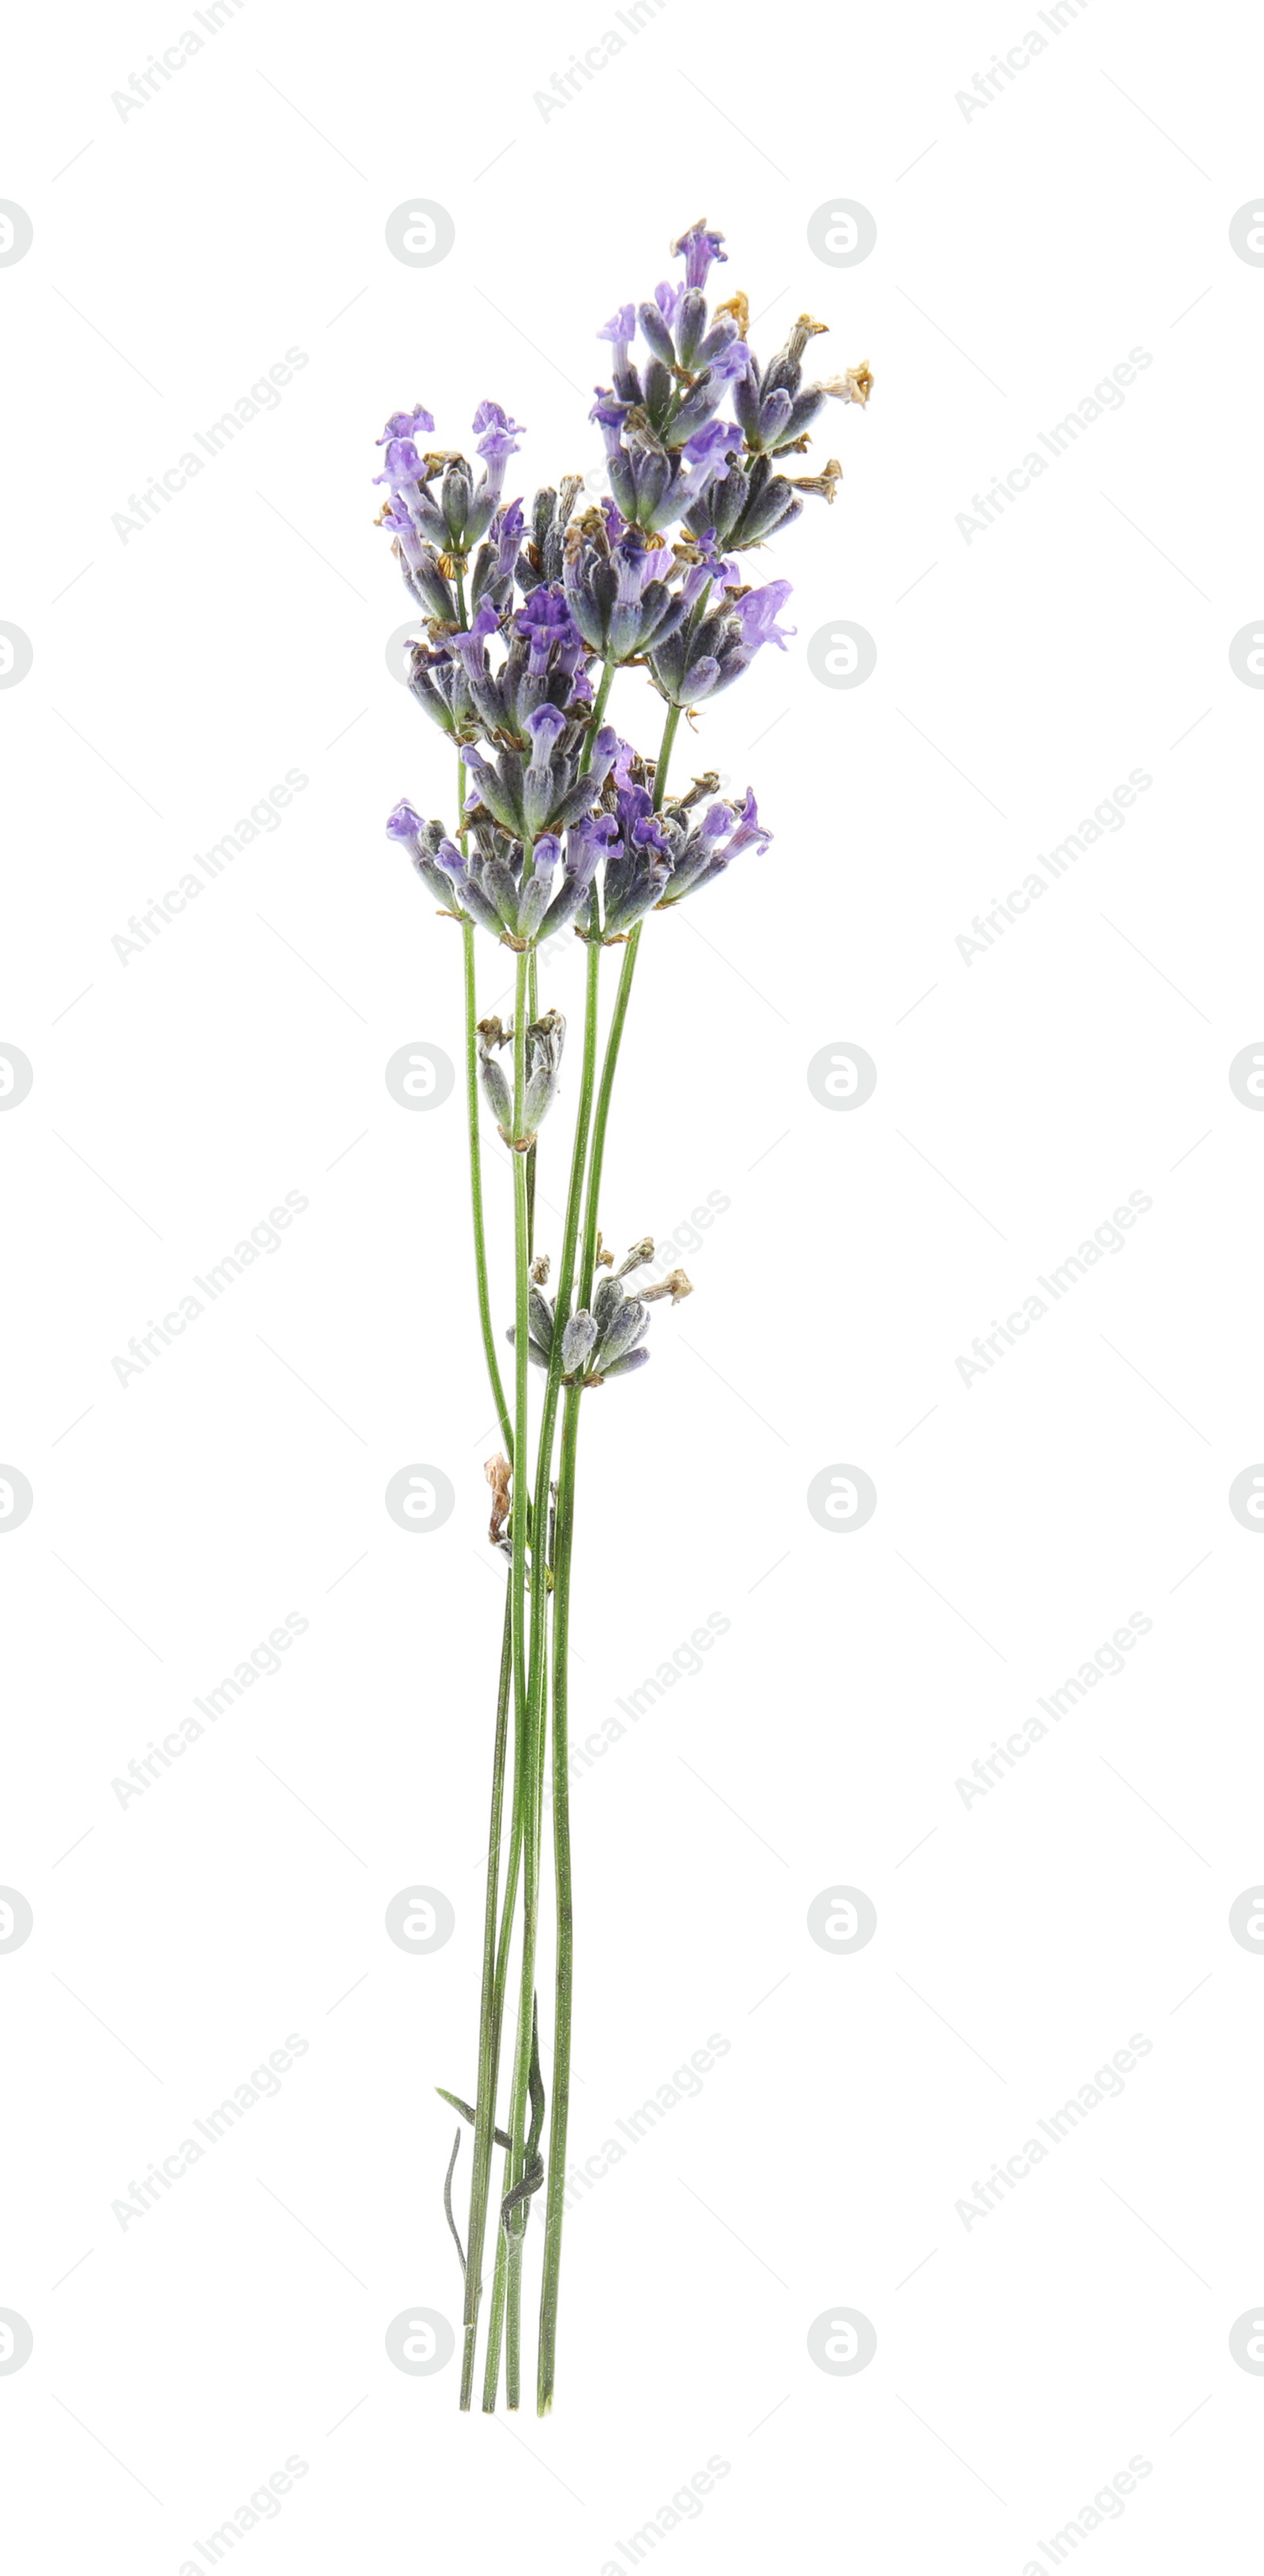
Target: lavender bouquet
562,823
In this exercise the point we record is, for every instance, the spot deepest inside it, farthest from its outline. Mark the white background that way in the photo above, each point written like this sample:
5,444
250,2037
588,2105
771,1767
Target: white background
1022,252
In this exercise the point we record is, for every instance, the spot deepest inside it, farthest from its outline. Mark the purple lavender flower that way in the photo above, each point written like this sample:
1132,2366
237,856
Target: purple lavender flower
703,848
405,424
493,573
742,507
759,611
441,686
403,823
458,516
586,845
698,248
542,665
550,791
619,595
425,845
708,654
552,638
620,331
543,556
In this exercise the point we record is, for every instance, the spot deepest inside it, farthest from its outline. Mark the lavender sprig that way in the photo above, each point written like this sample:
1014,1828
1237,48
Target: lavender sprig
526,614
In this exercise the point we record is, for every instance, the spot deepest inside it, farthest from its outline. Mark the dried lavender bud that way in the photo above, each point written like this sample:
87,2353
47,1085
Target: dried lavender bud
540,1309
622,1368
630,1326
578,1337
500,1098
498,1471
635,1257
606,1303
675,1286
540,1268
545,1040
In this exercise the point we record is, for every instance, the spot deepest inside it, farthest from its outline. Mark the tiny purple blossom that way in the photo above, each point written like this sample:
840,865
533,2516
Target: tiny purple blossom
500,436
648,834
402,464
472,646
749,830
729,362
635,567
506,535
405,424
610,415
621,331
759,612
403,823
707,454
667,297
698,248
544,727
545,620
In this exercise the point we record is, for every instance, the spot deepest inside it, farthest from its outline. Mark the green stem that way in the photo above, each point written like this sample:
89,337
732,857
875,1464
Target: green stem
560,2104
476,1193
526,1785
506,2285
533,1013
496,2313
491,2014
588,1262
599,709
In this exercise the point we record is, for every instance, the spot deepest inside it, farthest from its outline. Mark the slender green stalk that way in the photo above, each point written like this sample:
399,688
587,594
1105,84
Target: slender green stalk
536,1691
471,1105
588,1262
559,2107
476,1193
533,1013
526,1785
491,2012
496,2314
599,709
